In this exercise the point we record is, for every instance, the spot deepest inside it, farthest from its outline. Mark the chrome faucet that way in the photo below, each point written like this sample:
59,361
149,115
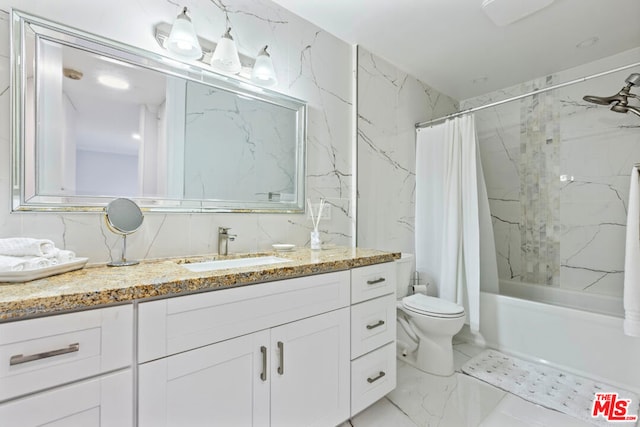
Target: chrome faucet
223,240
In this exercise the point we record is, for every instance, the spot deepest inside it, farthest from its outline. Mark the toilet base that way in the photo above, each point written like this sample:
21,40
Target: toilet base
439,369
433,356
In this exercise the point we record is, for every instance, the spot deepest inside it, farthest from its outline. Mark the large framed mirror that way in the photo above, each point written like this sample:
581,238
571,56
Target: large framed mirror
94,120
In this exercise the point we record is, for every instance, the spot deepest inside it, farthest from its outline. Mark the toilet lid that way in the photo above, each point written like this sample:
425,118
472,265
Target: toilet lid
421,303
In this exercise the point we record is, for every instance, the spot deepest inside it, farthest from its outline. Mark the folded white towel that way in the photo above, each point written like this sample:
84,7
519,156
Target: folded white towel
632,260
35,262
12,263
23,263
60,256
26,246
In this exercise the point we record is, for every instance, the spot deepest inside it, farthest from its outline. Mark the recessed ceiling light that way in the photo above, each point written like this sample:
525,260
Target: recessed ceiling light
135,135
588,42
113,82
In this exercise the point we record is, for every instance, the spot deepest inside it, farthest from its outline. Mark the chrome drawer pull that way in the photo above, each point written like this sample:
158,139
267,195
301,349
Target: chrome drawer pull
373,282
263,375
281,351
19,358
373,380
380,323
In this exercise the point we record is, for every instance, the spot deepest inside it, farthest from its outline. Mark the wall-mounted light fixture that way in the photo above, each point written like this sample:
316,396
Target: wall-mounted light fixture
222,56
225,56
263,72
183,40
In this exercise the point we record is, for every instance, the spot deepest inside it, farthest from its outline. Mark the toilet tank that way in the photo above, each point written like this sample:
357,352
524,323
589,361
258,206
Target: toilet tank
405,267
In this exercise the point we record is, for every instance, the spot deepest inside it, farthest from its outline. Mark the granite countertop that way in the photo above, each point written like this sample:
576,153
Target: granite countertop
97,286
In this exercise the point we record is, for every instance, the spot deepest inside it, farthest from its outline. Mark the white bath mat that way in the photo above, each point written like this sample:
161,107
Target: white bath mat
545,386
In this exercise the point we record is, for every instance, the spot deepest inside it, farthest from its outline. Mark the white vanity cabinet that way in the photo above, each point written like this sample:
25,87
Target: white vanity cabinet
274,354
220,384
68,370
373,334
310,376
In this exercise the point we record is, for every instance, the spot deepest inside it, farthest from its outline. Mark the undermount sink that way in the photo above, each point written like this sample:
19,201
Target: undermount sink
233,263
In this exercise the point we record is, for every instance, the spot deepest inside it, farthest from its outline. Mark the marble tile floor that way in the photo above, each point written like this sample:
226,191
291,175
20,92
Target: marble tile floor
424,400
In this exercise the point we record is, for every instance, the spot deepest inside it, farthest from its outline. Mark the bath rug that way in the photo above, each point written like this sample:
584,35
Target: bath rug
546,386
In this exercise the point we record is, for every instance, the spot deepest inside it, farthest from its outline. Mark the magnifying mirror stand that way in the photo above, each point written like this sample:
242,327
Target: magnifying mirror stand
123,262
123,217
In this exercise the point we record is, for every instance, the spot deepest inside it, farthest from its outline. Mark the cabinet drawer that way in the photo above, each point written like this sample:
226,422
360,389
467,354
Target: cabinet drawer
179,324
372,281
41,353
372,376
106,401
373,324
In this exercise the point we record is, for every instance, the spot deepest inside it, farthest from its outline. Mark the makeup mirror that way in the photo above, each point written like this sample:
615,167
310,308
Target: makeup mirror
123,217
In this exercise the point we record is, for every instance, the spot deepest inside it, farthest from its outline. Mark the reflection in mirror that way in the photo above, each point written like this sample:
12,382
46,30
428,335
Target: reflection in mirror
94,120
232,136
97,118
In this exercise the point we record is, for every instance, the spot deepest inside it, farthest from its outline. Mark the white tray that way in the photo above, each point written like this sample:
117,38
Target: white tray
39,273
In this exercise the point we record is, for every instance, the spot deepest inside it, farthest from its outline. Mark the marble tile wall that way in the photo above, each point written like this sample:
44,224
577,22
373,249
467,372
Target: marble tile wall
390,102
539,186
301,53
557,172
250,147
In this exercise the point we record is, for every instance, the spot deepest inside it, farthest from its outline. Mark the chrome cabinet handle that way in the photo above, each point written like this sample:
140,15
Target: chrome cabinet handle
281,350
375,325
263,375
19,358
373,282
376,378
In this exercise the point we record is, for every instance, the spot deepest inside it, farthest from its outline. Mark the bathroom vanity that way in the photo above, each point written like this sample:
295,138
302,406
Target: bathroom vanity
309,341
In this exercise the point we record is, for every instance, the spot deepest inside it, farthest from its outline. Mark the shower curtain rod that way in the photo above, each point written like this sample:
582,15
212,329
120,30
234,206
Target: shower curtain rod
515,98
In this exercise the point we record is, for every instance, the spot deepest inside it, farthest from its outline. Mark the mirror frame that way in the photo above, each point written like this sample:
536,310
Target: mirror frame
22,22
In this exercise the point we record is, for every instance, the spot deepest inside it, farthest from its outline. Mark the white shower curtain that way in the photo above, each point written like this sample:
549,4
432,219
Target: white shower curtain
454,236
632,259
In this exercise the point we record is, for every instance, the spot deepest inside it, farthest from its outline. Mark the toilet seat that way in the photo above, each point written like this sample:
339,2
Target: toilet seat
433,307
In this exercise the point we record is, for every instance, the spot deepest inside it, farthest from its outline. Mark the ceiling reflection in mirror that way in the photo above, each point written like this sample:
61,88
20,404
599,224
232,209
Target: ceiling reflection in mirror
94,120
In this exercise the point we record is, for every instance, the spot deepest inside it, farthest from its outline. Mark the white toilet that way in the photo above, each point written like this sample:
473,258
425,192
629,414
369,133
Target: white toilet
426,325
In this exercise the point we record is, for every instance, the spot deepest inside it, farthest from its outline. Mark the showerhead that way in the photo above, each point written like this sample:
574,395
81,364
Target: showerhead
633,79
619,102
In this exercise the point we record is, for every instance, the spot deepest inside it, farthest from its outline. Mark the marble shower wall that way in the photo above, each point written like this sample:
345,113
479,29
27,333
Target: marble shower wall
311,65
557,172
390,103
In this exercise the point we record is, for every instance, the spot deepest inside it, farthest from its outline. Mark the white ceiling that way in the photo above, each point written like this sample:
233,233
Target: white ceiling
108,125
455,48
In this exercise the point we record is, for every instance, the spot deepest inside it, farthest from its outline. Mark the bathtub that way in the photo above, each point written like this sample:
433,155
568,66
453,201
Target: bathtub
577,341
592,303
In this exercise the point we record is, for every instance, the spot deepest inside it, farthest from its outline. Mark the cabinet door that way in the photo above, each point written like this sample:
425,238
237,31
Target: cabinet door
42,353
106,401
223,384
310,371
